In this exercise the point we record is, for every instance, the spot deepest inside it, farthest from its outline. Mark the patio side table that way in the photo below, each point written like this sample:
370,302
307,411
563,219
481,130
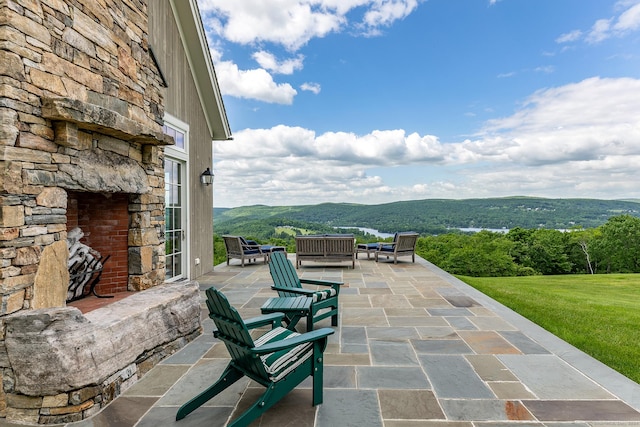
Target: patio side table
294,309
271,249
369,248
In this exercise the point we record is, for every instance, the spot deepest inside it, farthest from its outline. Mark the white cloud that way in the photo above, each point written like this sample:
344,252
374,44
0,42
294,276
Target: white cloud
384,13
293,23
546,69
629,20
311,87
268,61
569,37
599,31
380,147
255,84
290,23
626,22
577,140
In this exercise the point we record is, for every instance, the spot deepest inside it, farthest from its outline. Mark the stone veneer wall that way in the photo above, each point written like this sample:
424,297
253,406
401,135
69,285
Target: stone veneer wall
81,107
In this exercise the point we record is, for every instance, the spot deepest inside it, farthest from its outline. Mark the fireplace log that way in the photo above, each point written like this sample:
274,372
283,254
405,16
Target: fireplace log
85,267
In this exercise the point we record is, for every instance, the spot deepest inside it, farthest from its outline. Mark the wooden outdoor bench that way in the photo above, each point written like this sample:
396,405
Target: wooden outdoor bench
327,247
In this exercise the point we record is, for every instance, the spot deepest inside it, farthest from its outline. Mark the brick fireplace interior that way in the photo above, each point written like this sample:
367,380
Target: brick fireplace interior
104,220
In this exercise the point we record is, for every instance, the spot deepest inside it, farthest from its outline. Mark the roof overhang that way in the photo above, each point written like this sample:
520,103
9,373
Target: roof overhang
194,40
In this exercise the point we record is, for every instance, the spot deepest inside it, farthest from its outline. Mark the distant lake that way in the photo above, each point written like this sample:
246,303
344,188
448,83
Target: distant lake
475,230
372,232
502,230
377,233
386,235
468,230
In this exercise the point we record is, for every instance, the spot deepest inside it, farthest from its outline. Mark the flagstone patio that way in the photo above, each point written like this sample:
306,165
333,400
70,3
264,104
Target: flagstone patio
414,347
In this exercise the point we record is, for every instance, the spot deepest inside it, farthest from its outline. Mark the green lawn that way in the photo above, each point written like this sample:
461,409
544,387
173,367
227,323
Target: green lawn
599,314
292,231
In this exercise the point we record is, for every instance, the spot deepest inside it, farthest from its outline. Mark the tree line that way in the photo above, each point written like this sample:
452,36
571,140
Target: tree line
613,247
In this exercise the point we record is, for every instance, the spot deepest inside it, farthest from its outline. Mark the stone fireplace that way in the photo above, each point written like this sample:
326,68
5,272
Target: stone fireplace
81,145
104,174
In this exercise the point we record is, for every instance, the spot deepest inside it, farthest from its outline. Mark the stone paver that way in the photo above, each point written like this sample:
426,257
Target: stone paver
487,342
392,353
548,377
409,405
349,408
585,410
523,343
392,377
414,347
453,377
486,410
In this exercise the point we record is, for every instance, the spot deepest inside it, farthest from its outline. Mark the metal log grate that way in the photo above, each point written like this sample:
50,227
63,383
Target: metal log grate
84,275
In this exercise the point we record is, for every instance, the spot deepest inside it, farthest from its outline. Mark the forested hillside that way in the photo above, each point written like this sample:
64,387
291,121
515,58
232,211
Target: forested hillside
434,216
605,237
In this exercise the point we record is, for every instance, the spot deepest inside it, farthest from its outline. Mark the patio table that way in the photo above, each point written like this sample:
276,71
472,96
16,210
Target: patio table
294,309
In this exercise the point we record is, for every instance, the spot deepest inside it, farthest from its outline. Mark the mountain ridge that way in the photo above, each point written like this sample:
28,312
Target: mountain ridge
438,215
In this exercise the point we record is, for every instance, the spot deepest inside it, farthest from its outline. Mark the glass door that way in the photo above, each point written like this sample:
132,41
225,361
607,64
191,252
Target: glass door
175,230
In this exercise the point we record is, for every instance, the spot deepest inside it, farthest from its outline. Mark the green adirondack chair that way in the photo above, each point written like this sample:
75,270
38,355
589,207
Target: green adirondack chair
280,359
287,283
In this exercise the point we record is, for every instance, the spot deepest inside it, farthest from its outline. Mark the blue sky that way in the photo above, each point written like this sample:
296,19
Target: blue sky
375,101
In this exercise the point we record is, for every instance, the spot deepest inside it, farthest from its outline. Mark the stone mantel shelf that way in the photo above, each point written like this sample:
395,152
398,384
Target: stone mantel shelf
69,115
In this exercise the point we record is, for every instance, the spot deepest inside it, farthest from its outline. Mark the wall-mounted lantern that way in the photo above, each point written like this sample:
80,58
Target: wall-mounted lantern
206,177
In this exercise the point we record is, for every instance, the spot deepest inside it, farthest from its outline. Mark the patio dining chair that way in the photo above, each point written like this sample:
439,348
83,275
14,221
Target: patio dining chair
404,244
239,247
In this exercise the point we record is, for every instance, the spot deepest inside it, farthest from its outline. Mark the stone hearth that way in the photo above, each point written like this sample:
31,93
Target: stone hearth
67,365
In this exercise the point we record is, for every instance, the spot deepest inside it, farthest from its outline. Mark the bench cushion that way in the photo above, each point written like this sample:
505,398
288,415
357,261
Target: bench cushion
367,246
252,252
280,363
323,294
